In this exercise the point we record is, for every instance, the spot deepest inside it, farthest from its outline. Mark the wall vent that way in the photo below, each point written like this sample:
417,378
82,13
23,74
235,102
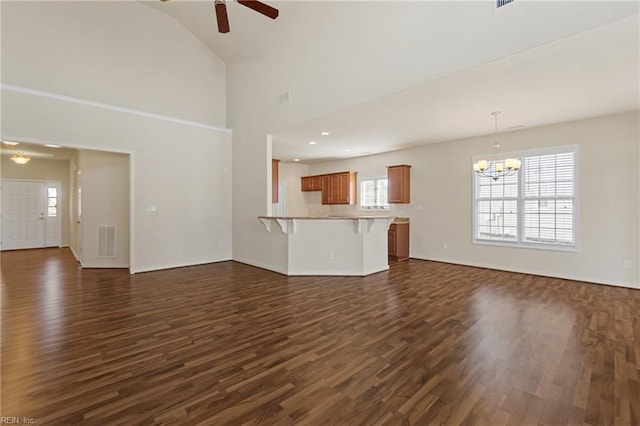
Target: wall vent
107,241
500,3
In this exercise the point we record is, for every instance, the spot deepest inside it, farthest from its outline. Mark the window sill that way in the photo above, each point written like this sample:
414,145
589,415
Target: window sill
515,244
374,209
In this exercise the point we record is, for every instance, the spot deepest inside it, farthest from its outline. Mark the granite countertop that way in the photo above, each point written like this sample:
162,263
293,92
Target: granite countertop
395,219
326,217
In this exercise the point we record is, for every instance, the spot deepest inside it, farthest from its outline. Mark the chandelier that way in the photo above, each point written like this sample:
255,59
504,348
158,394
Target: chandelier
496,168
20,158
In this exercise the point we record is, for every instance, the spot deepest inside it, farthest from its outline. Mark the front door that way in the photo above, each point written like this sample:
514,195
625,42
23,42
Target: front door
31,214
23,215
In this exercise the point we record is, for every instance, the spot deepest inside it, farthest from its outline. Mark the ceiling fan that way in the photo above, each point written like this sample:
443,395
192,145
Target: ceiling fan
223,19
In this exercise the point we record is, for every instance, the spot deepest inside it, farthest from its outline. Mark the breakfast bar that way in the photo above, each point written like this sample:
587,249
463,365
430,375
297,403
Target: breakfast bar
328,245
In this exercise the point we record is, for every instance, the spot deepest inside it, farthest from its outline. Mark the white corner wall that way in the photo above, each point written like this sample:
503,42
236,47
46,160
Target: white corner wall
105,202
123,77
441,209
289,174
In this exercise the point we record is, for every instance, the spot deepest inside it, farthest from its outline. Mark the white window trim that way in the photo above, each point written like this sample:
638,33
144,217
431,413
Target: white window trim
520,243
370,209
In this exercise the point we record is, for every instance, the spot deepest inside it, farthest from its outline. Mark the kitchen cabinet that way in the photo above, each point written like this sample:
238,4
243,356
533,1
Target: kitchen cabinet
339,188
399,178
311,183
398,241
274,180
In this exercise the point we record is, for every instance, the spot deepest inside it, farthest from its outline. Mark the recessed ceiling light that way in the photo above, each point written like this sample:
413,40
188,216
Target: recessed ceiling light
312,143
296,159
347,150
52,146
325,133
10,143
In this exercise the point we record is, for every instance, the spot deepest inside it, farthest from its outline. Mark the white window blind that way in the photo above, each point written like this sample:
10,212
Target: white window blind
549,192
535,207
497,208
374,194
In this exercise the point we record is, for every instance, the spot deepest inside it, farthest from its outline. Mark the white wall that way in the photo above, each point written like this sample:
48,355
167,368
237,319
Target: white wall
44,170
289,174
105,202
323,74
128,55
441,206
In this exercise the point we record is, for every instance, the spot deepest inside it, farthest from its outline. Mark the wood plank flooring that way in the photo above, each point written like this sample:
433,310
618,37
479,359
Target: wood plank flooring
424,343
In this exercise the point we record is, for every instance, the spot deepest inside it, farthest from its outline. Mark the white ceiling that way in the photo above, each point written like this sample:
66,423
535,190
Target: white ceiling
590,73
37,151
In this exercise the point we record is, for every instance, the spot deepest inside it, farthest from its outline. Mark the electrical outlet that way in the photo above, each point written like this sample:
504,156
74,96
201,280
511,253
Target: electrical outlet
627,264
331,255
445,246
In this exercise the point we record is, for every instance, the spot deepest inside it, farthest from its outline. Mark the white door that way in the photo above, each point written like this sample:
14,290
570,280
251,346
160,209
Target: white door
23,215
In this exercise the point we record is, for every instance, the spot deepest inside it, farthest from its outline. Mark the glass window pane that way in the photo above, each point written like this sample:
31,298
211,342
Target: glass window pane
52,202
52,192
52,211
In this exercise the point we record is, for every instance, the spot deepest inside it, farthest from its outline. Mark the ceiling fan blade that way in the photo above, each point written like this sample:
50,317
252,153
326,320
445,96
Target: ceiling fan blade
260,7
221,16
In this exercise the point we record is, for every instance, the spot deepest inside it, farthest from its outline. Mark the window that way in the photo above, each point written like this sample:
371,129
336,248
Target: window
374,194
534,208
500,3
52,201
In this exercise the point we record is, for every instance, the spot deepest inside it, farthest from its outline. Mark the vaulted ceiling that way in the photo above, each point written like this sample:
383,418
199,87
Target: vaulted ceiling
588,69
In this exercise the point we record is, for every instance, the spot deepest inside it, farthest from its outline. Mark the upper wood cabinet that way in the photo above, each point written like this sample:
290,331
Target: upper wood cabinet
274,180
399,184
311,183
337,188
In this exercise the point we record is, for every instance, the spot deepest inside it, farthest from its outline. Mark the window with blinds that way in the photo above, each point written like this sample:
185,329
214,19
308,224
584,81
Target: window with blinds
535,207
374,194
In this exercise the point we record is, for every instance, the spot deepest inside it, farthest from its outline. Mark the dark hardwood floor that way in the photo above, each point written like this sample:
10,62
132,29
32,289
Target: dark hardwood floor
424,343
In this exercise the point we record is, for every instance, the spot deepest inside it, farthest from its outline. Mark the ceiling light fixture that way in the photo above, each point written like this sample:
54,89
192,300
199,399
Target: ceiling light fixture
296,159
496,168
10,143
52,145
347,150
20,158
325,133
312,143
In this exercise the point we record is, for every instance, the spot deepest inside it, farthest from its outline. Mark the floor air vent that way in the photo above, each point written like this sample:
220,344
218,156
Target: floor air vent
107,241
500,3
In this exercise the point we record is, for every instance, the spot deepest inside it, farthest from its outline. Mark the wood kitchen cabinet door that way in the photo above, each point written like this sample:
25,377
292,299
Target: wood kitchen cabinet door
398,236
392,241
316,183
311,183
274,180
305,183
399,184
326,190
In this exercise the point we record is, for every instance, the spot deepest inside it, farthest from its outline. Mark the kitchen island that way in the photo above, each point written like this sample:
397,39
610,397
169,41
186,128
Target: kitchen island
327,245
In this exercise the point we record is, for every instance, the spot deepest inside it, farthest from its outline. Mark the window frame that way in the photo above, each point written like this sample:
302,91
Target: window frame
520,241
360,195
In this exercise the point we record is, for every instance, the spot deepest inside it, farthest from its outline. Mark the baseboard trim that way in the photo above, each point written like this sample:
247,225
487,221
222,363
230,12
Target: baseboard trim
631,285
100,266
175,266
282,271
